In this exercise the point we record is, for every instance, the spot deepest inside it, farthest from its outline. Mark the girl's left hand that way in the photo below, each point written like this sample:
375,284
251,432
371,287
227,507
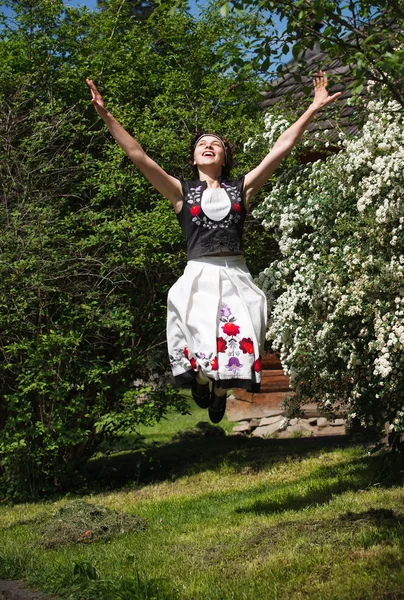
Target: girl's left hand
321,96
96,98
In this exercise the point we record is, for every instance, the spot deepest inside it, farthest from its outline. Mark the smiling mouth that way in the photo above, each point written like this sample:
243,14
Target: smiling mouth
208,153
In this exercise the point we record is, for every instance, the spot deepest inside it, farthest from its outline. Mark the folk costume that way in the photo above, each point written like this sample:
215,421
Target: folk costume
216,315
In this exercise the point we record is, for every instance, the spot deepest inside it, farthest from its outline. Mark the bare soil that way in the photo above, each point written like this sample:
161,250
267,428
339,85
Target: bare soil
16,590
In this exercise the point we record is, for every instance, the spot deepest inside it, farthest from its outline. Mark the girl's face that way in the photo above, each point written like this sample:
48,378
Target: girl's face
209,151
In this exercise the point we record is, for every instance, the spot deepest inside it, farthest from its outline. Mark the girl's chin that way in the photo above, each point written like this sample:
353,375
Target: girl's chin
210,163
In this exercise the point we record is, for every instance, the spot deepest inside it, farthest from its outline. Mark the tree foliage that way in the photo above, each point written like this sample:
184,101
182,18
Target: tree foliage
366,35
88,248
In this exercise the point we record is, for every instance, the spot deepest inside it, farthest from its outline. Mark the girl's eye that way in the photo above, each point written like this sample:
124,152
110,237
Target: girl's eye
208,144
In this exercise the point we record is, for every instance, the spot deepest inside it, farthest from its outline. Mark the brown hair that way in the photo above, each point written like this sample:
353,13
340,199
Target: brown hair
228,151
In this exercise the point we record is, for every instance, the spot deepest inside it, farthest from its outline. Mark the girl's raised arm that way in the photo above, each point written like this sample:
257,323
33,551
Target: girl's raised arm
168,186
255,179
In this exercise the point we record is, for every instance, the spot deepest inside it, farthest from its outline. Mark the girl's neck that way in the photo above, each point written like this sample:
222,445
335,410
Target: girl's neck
212,180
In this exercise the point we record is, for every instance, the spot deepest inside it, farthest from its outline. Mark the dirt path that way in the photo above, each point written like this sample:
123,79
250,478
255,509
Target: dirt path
15,590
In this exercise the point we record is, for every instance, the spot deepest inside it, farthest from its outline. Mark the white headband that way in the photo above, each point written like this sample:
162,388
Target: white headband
215,136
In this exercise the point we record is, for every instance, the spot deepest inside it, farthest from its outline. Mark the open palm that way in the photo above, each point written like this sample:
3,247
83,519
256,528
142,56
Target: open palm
321,96
96,97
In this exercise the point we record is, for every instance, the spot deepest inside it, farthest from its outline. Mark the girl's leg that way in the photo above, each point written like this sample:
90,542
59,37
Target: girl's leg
219,391
202,378
217,405
201,390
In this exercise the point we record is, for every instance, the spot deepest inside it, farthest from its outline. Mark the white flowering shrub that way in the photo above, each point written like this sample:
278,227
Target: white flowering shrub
337,292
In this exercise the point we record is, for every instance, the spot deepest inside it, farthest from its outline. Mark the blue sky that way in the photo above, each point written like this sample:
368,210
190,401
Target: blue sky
193,6
91,4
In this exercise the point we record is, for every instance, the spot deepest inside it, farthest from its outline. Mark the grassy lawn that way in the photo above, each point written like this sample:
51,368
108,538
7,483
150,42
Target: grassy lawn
164,431
226,518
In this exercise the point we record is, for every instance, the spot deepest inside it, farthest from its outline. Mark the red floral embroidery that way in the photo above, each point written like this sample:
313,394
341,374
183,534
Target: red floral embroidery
231,329
257,365
195,210
247,345
186,353
214,364
221,344
237,207
193,363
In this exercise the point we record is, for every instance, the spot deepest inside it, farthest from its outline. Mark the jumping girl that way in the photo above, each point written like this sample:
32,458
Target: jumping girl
216,316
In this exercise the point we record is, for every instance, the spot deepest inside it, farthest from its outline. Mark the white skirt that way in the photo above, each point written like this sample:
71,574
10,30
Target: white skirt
216,323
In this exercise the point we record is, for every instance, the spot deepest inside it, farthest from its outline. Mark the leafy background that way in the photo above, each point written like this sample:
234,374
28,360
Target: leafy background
89,249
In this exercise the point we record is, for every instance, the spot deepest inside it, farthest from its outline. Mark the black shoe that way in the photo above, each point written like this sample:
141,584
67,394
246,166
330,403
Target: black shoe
217,407
201,393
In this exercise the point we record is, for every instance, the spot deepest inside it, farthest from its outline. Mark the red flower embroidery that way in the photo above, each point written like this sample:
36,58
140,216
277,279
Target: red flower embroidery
257,365
247,345
221,344
237,207
195,210
214,364
193,363
186,352
231,329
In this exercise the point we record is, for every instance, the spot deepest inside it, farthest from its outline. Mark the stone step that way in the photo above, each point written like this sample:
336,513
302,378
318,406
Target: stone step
238,410
270,398
277,427
262,405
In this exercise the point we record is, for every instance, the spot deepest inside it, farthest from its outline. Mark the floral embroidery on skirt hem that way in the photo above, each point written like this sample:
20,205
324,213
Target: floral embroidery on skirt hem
216,323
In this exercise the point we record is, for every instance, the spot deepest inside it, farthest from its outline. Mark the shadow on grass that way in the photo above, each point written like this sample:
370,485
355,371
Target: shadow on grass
242,455
365,529
319,487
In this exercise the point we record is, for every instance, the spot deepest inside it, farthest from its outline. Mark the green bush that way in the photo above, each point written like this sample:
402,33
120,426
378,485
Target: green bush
88,249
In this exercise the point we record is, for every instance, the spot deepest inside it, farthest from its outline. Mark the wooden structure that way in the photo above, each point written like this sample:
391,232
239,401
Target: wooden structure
275,387
288,90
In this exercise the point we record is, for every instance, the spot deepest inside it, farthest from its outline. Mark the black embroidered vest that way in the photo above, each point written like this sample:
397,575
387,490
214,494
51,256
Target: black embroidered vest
206,234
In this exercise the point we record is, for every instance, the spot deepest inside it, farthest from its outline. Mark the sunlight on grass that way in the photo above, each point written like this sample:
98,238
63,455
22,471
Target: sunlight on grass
174,422
228,518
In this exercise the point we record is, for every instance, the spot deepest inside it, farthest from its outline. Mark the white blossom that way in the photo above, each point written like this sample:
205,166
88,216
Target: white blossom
336,293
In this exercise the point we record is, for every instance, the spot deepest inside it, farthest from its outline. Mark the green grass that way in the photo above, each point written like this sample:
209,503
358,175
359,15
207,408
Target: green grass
175,422
227,518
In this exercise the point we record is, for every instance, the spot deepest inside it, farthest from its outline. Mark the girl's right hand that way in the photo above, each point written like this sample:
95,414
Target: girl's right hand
96,99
